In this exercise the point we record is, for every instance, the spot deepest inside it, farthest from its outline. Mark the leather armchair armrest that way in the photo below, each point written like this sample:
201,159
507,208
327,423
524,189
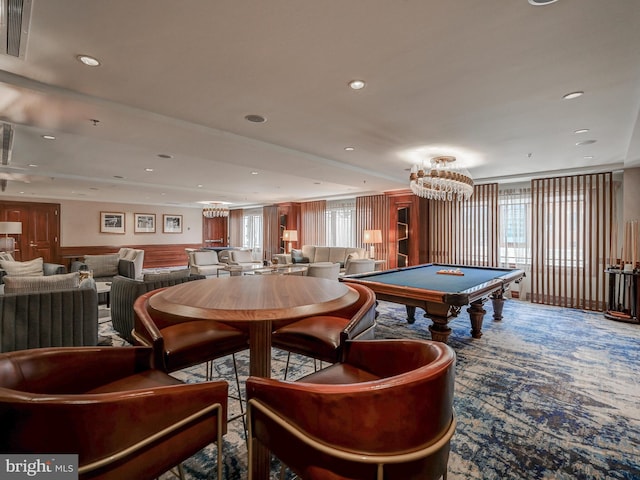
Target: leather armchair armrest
91,417
54,269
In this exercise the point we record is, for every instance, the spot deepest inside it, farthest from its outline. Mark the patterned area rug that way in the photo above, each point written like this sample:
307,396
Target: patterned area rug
546,393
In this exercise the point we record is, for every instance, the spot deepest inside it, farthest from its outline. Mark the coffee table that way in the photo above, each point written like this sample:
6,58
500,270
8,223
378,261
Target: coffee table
105,288
282,270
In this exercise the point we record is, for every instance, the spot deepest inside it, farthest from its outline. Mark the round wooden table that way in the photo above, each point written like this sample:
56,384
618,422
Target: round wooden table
256,301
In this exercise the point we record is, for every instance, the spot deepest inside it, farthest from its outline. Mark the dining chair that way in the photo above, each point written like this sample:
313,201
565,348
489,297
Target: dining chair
384,411
122,417
322,337
179,343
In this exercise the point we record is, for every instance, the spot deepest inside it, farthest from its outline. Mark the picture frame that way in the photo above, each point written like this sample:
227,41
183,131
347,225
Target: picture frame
172,223
144,223
112,222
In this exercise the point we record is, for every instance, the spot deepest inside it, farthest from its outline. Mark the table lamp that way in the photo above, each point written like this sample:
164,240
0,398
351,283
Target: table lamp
290,236
372,237
8,244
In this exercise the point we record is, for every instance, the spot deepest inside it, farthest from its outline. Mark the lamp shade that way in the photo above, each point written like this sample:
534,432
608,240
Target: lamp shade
372,236
290,235
11,228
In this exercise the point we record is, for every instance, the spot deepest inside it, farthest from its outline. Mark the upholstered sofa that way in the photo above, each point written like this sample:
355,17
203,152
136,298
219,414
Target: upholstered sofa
125,291
127,262
35,267
64,313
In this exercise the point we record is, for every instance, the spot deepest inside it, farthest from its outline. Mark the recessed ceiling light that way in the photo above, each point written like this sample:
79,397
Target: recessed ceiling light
585,142
254,173
582,130
164,155
148,169
357,84
572,95
349,149
48,137
33,165
540,3
255,118
588,157
199,186
88,60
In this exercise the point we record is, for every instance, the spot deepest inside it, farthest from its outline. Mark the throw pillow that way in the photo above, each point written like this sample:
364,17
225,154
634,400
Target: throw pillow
41,284
102,265
31,268
166,276
6,256
351,256
297,257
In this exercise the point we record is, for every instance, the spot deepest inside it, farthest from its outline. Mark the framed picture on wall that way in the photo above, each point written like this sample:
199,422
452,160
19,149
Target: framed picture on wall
144,223
111,222
172,223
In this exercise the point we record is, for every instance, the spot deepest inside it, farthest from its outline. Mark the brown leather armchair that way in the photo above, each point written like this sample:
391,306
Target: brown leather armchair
179,344
385,410
322,337
123,418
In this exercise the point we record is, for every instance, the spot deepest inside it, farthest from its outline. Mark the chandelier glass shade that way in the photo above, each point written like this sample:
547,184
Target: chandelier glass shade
215,210
443,181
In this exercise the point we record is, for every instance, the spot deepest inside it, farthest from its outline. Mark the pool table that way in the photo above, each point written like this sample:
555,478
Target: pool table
441,290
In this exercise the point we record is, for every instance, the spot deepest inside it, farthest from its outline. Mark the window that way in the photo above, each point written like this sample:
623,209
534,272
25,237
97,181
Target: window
515,220
252,231
340,227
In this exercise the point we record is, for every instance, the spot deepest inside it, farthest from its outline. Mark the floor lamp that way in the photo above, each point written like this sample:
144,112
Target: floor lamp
8,244
372,237
290,236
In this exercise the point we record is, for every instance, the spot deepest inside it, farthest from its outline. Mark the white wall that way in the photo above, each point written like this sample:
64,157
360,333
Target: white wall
80,224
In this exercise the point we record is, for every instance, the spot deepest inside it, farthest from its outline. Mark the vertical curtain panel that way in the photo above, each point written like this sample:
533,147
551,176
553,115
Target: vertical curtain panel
466,232
312,217
271,231
572,220
372,213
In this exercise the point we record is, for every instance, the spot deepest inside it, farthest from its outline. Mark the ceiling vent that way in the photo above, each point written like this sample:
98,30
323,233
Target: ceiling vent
15,16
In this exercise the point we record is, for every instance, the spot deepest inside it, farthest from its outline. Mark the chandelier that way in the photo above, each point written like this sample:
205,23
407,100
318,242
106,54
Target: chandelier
214,210
443,181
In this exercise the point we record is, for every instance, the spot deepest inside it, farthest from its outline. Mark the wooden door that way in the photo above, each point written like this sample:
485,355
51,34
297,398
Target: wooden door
40,229
215,232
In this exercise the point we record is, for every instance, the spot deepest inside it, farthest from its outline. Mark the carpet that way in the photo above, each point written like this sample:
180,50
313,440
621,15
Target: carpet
546,393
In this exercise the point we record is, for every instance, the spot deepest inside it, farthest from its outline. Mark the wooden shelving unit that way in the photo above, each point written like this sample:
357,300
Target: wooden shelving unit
403,237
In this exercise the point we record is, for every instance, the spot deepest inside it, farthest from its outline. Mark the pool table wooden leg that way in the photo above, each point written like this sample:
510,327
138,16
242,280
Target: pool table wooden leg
498,304
411,314
476,315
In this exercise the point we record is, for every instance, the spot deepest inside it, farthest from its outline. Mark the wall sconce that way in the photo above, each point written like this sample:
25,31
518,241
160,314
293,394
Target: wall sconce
290,236
372,237
8,244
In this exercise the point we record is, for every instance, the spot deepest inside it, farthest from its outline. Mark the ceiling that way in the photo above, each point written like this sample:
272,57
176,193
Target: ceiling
480,80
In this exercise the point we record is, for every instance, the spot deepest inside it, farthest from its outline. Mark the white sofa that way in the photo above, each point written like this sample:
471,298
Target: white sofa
340,255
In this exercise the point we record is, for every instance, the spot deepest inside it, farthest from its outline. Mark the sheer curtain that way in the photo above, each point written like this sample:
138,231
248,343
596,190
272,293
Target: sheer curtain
252,232
340,223
515,234
372,213
271,231
572,219
466,232
235,227
312,217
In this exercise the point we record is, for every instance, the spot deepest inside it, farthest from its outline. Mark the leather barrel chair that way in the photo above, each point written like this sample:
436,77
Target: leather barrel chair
385,411
323,337
122,417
